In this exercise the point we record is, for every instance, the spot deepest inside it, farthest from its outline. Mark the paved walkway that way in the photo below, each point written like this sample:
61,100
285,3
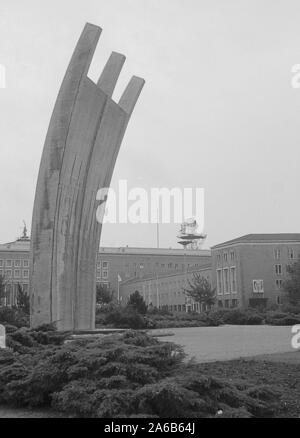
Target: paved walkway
27,413
207,344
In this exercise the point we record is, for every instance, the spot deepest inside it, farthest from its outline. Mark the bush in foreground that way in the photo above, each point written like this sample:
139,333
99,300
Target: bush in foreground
129,318
13,316
124,375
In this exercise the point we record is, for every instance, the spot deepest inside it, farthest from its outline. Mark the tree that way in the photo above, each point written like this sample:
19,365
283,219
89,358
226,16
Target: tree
137,302
103,294
200,290
292,284
23,301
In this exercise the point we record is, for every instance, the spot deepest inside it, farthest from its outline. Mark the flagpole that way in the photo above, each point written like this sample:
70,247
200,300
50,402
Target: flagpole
157,293
157,235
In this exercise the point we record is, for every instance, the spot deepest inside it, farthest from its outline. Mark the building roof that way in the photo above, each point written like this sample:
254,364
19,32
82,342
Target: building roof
262,238
155,251
19,245
152,277
24,245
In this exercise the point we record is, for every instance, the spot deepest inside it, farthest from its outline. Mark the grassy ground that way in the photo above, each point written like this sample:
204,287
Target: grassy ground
292,357
281,370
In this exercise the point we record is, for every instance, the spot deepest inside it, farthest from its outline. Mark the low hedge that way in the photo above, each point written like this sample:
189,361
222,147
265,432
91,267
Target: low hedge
282,318
127,318
237,316
209,319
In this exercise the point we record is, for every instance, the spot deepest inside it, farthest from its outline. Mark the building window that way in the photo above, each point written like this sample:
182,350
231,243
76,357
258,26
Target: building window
219,282
17,273
278,284
17,263
233,279
278,300
277,254
258,286
104,285
25,273
218,258
226,280
226,304
104,274
1,272
291,254
225,257
170,265
220,303
98,264
231,255
8,263
25,263
1,264
234,303
105,265
278,269
176,266
8,273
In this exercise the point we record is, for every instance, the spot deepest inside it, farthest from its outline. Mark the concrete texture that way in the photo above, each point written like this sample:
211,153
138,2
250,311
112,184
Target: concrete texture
81,148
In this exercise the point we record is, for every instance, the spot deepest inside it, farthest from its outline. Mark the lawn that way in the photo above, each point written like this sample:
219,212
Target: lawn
282,371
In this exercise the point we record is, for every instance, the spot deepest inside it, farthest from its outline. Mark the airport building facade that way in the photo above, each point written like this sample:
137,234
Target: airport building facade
166,291
247,271
251,270
113,266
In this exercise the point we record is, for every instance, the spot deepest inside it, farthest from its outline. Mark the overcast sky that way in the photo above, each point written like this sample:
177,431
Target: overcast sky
218,110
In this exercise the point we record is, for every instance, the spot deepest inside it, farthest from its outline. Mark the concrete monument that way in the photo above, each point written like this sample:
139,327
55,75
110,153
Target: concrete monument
80,151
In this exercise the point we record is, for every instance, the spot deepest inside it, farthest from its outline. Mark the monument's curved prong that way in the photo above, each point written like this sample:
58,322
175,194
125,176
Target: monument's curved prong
131,94
43,302
80,151
111,73
104,157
